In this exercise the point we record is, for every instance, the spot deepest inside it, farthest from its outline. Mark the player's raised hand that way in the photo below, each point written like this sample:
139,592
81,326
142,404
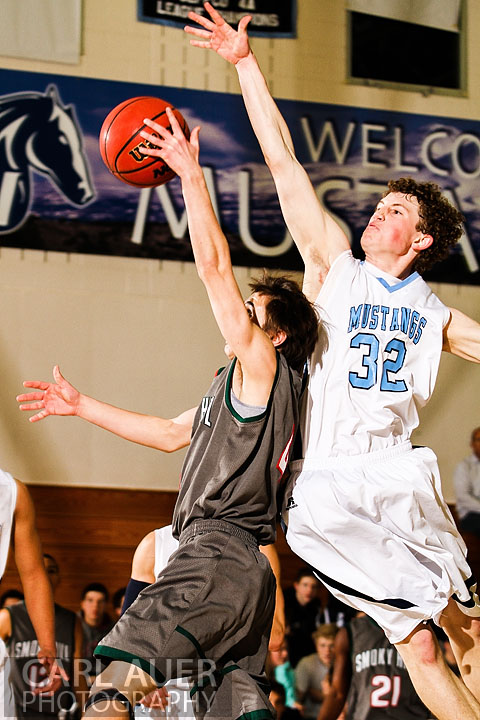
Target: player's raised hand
219,36
180,154
53,398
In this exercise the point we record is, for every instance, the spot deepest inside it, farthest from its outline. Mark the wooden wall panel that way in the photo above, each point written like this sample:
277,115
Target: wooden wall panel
92,533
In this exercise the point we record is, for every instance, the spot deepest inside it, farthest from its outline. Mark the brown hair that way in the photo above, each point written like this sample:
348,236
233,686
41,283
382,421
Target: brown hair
289,310
327,630
438,218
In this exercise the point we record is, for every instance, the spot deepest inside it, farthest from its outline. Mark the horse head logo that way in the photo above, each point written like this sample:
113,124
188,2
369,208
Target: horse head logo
37,132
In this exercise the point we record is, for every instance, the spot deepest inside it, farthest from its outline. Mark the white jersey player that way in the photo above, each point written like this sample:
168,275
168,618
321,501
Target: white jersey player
367,487
8,493
17,524
366,508
158,546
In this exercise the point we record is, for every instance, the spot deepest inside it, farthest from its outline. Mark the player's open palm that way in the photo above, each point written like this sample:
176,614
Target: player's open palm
219,36
53,398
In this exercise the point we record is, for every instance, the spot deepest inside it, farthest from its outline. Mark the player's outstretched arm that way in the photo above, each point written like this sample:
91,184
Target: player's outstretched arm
318,238
35,583
61,398
247,341
461,336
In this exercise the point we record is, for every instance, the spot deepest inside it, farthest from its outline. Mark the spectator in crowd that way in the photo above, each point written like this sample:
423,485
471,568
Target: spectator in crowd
117,602
309,604
312,672
27,673
12,596
280,670
467,487
332,610
277,698
95,621
302,606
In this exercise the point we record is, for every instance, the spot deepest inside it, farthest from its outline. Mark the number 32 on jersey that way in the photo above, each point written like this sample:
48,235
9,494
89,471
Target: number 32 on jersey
369,374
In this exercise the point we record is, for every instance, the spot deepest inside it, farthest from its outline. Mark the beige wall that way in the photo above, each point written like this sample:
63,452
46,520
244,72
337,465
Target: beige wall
139,333
312,67
135,333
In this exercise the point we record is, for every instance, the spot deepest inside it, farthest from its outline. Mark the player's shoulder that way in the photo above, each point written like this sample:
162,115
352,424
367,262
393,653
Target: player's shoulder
8,481
15,611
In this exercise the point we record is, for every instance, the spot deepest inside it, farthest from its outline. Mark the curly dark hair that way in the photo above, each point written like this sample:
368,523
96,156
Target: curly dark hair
438,218
289,310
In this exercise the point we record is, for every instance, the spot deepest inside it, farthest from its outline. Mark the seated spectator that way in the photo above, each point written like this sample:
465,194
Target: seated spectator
466,480
10,597
95,621
332,610
309,604
279,670
312,672
302,606
277,698
117,602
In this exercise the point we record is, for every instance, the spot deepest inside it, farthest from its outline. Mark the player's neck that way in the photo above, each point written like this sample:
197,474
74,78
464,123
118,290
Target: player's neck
398,267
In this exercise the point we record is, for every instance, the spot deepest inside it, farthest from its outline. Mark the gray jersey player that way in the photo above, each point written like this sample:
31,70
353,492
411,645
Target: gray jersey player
212,606
369,674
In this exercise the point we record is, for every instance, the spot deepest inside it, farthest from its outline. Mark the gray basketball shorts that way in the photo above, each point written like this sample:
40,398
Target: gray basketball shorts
207,617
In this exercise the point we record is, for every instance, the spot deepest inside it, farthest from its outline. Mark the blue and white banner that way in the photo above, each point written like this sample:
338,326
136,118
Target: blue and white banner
56,194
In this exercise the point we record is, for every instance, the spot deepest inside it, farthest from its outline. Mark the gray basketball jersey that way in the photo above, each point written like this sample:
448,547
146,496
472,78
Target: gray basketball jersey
27,673
380,687
234,465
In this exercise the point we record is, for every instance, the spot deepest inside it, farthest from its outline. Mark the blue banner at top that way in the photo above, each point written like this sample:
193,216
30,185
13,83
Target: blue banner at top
56,193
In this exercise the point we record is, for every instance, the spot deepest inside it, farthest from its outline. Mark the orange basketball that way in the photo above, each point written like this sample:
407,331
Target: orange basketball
121,142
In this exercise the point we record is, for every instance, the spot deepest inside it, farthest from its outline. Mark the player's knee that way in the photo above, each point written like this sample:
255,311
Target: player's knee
421,647
475,629
128,680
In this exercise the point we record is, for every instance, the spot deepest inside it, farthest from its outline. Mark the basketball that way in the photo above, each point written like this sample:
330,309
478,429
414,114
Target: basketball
121,142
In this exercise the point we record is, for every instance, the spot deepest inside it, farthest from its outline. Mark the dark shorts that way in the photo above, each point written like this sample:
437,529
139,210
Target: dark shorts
208,617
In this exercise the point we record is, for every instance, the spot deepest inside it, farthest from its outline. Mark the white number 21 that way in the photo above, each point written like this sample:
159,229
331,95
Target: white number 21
387,692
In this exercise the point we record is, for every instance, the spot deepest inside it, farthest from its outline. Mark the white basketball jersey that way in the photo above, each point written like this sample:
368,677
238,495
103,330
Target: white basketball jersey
8,495
8,500
7,702
179,703
376,362
165,545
